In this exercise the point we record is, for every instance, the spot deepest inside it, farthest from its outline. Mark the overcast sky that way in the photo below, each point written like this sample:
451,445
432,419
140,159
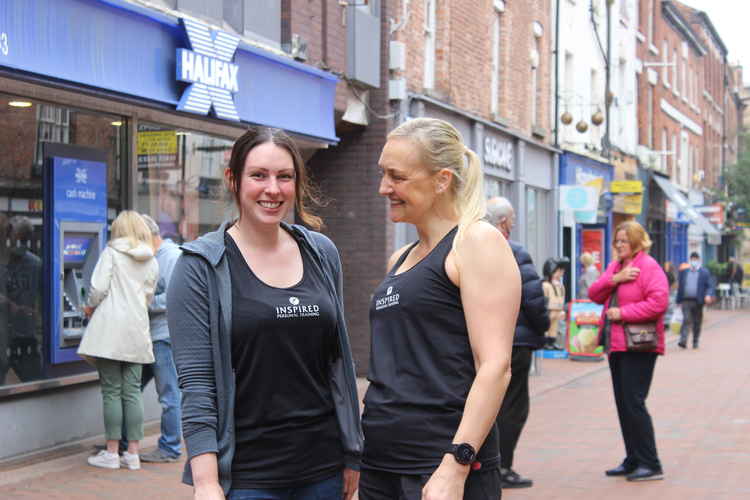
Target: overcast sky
731,19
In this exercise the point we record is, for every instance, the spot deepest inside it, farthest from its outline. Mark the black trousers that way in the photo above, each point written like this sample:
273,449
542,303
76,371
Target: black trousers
632,373
692,316
515,407
379,485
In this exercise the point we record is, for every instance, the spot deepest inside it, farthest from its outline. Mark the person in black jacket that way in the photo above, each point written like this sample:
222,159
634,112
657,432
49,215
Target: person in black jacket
531,325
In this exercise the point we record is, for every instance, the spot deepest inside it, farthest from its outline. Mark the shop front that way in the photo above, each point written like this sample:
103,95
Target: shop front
590,229
514,166
108,106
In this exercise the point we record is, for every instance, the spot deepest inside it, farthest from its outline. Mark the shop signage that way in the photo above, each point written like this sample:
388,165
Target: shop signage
583,330
209,70
632,204
626,186
579,198
498,153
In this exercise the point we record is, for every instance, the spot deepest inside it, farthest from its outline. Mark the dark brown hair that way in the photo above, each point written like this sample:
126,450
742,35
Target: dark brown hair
304,190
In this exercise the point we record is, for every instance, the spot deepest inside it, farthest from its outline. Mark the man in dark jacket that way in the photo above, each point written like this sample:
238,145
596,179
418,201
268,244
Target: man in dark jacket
695,288
532,323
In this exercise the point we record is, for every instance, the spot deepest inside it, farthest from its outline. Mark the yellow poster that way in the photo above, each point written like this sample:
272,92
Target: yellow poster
632,204
157,142
746,275
626,187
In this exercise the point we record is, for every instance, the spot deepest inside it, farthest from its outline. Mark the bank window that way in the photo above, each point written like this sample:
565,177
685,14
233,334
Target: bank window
180,179
25,126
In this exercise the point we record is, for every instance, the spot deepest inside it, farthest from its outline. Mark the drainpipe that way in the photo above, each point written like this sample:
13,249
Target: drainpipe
557,73
608,72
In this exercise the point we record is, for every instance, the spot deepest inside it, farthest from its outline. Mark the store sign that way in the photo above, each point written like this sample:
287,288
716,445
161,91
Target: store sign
209,69
578,198
498,153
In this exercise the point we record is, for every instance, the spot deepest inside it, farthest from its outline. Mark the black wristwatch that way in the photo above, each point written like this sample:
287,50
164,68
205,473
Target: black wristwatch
465,453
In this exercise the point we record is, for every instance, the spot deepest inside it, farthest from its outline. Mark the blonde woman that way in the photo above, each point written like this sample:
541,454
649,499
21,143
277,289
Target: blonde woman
117,339
589,275
441,338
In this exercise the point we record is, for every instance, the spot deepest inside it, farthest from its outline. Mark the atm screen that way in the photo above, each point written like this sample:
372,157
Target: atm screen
75,248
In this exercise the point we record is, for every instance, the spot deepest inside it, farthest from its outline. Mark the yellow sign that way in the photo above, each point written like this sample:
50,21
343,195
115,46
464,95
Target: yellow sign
626,187
157,142
746,275
597,183
632,204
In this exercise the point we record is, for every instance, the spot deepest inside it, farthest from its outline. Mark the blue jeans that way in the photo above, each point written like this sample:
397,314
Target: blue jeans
328,489
164,374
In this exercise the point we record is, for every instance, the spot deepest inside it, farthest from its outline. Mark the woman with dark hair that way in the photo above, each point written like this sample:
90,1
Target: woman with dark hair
636,281
257,325
554,291
441,338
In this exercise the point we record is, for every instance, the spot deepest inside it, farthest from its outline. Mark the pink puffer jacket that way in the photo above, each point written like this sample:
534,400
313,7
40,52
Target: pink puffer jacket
642,300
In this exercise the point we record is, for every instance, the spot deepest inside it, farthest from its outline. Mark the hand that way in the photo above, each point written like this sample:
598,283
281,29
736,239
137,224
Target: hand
447,482
708,299
351,483
613,314
211,491
626,274
88,311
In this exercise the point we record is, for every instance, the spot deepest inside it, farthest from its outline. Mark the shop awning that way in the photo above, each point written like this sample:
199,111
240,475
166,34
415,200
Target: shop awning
684,206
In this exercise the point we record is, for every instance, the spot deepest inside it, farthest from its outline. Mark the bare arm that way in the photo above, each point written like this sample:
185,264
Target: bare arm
490,286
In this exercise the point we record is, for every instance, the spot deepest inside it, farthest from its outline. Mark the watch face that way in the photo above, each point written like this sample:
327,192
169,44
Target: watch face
465,454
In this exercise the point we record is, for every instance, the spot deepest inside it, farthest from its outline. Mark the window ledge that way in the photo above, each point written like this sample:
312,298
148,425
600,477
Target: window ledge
539,132
640,36
652,48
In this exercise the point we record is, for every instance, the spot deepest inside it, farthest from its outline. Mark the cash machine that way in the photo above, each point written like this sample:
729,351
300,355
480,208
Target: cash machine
75,211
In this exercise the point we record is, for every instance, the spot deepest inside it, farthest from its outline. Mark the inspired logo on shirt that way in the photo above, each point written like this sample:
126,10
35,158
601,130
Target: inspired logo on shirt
296,310
390,299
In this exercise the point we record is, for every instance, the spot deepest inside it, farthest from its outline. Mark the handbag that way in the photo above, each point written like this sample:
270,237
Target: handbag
639,337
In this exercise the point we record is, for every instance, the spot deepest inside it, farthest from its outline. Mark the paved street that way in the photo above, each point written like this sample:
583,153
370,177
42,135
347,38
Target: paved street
699,401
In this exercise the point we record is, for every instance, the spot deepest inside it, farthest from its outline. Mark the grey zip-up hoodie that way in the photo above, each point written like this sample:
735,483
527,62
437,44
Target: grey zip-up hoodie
199,312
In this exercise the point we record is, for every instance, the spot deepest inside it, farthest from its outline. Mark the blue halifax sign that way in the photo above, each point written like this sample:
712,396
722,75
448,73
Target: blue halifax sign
209,70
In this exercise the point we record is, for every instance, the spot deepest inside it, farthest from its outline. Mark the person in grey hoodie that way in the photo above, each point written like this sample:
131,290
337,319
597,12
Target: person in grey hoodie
163,371
269,399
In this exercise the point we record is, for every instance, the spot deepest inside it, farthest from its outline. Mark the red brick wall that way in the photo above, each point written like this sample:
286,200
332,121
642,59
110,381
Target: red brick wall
464,58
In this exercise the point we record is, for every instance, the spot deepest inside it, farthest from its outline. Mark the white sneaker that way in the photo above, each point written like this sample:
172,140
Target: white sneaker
105,459
130,460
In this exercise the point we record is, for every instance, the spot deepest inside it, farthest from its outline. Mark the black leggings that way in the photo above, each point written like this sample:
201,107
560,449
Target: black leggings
379,485
632,373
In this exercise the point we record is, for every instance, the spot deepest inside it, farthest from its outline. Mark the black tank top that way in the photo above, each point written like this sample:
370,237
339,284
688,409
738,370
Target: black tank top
421,369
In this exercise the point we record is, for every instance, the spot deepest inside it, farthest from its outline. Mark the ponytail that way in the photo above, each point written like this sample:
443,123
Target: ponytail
470,200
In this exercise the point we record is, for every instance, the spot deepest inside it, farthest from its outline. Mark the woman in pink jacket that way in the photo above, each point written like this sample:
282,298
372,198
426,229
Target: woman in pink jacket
642,296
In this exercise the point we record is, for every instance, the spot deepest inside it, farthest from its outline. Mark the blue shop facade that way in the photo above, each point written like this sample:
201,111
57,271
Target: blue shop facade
107,106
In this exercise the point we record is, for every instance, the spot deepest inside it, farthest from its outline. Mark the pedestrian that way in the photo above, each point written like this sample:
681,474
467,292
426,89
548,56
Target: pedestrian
442,326
634,290
735,276
257,325
695,289
531,326
554,293
117,338
589,275
162,371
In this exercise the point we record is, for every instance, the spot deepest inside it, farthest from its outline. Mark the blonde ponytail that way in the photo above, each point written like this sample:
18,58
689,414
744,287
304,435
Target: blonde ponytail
442,147
471,202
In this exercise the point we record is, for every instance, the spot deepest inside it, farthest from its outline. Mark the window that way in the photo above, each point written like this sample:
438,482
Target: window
24,342
182,186
495,84
665,61
684,159
430,26
494,186
675,173
683,76
624,10
650,25
536,62
664,148
675,69
538,238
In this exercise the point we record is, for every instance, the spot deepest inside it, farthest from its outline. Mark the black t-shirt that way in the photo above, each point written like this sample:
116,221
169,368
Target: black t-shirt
283,343
421,369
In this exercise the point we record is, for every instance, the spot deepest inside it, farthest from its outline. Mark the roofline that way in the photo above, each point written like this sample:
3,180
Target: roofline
672,14
715,34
